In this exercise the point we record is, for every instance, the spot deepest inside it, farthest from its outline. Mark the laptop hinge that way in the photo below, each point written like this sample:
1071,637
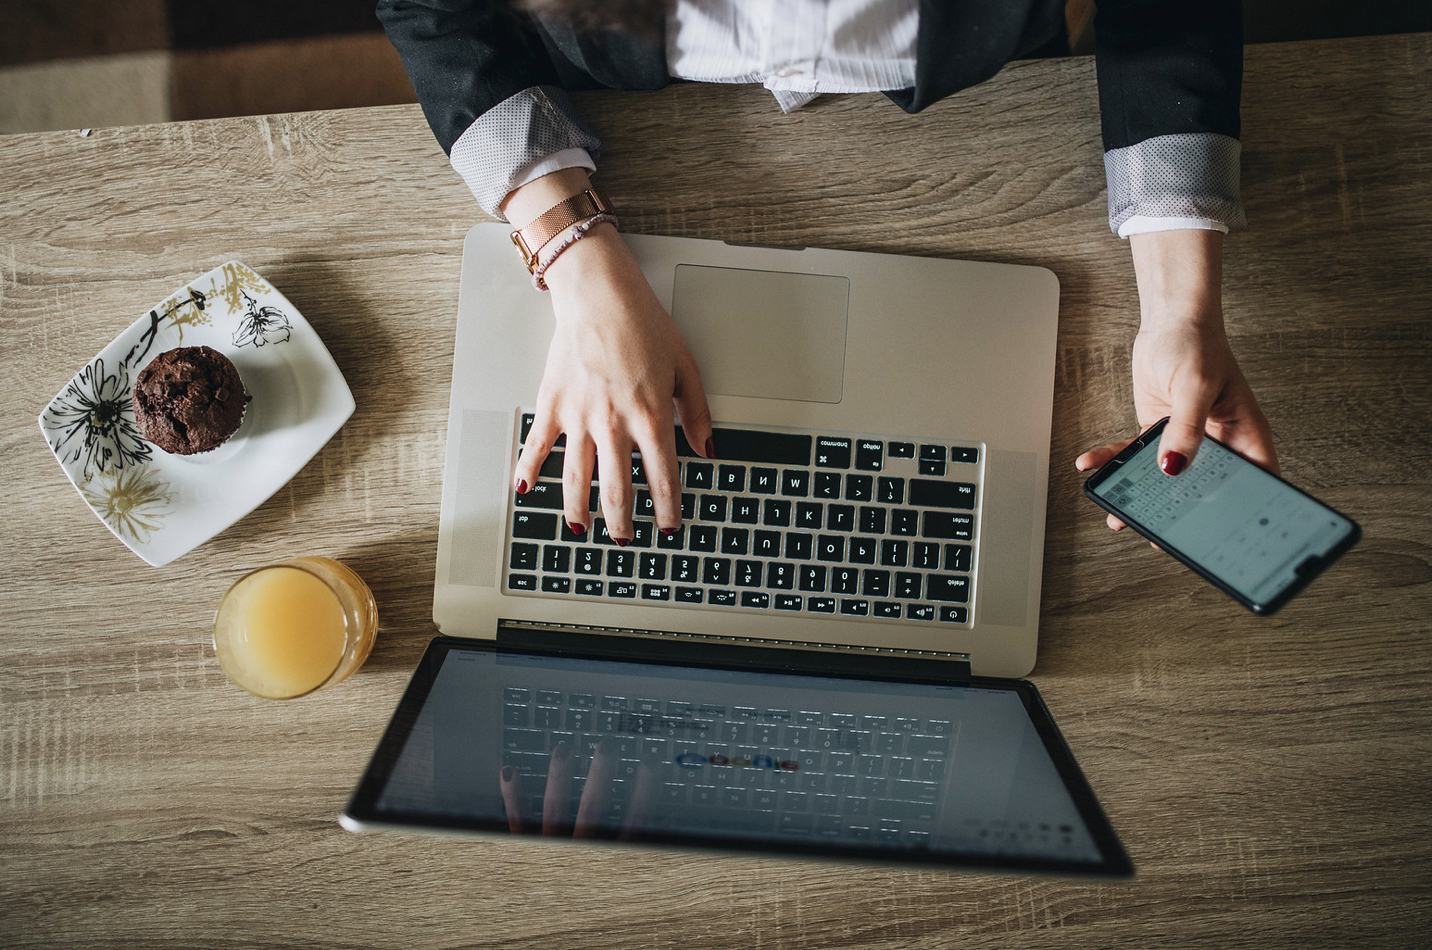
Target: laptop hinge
791,656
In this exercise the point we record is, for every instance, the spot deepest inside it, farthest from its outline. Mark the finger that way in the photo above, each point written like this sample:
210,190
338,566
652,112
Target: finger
1182,436
1114,523
692,411
645,789
614,459
596,793
557,800
511,784
658,455
1098,458
577,483
540,437
1251,437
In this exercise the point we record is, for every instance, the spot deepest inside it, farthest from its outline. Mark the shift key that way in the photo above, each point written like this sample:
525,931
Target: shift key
927,493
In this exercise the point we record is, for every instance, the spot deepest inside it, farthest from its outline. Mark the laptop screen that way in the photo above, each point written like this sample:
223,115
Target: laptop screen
507,741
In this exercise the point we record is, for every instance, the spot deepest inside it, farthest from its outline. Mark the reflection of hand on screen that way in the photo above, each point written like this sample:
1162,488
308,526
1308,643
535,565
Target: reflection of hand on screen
595,800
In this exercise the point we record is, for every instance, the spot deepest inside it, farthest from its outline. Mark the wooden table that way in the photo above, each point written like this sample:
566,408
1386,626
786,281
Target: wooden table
1270,777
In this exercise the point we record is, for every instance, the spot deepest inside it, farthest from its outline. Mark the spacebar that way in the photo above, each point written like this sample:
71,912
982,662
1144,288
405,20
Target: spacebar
749,445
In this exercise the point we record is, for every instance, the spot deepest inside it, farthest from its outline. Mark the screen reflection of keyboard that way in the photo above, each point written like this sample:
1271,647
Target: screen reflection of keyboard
742,769
845,525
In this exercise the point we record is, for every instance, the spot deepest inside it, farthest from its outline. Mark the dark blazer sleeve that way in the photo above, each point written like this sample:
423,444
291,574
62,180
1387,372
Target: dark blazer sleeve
488,86
1170,75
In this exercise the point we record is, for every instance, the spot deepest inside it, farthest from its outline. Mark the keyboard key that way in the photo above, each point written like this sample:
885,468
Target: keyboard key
655,592
830,547
788,602
621,564
750,445
731,478
844,580
919,612
780,575
556,559
745,510
810,514
869,454
522,581
676,541
589,561
716,570
885,608
812,578
799,547
652,567
700,475
755,598
859,488
894,552
588,587
890,491
688,506
685,568
820,605
840,518
957,558
722,598
872,520
827,485
557,585
766,543
702,538
948,588
953,614
735,540
748,573
642,534
932,453
776,513
644,507
926,493
925,556
945,524
523,557
832,452
764,481
907,585
862,550
933,467
537,525
688,595
712,508
904,522
855,608
964,454
621,589
795,483
876,583
902,450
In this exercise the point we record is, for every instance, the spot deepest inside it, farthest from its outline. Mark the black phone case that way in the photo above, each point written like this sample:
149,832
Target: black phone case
1304,578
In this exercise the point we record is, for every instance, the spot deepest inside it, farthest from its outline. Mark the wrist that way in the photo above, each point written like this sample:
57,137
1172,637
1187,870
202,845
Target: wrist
524,204
1180,278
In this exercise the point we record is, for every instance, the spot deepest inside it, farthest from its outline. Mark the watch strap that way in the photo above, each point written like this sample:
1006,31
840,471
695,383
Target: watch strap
532,237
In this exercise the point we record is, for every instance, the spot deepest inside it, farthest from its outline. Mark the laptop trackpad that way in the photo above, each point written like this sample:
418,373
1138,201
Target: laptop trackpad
760,333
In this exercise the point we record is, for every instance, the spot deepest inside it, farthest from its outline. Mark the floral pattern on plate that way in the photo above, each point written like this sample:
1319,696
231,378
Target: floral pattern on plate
160,505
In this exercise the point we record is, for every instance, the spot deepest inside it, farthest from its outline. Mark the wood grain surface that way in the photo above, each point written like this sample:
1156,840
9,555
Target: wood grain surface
1270,777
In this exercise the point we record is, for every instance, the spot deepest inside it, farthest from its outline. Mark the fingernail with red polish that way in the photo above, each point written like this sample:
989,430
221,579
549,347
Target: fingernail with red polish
577,529
522,486
710,448
667,532
1173,462
622,542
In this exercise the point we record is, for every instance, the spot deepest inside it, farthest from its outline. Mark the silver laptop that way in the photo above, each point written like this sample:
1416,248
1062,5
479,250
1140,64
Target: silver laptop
882,432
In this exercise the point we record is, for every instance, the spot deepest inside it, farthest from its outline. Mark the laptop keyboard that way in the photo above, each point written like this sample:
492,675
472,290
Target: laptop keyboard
834,524
793,772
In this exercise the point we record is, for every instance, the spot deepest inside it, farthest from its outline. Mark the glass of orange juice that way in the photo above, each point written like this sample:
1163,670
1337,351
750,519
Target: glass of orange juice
294,627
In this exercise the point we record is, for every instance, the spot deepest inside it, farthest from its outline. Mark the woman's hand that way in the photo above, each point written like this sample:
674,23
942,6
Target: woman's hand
1182,364
618,375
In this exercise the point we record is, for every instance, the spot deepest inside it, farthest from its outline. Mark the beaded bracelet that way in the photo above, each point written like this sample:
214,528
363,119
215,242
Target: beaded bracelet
553,250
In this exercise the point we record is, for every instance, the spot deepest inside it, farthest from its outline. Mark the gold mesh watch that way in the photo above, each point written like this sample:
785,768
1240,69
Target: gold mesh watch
531,238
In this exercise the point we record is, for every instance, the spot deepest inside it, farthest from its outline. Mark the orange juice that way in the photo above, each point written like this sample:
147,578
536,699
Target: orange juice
289,629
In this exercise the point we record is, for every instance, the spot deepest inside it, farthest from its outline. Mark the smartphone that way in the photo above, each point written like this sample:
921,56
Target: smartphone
1254,536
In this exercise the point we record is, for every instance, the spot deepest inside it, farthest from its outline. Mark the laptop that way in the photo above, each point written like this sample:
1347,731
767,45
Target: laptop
882,428
817,664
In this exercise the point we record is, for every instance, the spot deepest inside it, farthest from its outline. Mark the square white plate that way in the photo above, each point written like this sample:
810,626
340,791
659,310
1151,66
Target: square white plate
163,506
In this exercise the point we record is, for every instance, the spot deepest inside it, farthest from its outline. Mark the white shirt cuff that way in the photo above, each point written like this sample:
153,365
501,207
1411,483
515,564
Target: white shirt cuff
566,158
1143,224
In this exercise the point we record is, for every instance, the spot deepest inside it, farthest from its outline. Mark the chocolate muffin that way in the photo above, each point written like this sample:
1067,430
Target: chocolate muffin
189,400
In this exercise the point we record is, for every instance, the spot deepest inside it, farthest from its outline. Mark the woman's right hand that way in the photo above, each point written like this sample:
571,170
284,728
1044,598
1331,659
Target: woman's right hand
618,378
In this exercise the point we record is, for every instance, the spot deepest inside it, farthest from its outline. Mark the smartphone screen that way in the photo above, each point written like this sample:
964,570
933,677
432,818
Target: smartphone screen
1243,528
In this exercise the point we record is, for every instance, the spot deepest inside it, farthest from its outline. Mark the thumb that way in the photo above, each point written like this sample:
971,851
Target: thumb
691,409
1183,434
